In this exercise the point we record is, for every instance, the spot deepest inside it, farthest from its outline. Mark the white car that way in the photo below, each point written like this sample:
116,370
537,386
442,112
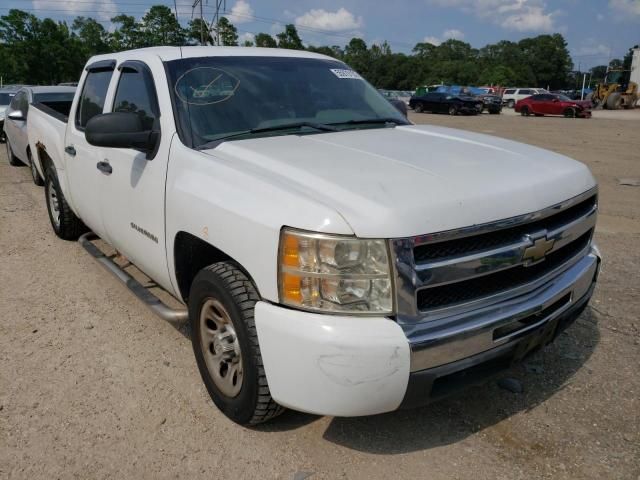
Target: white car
16,121
331,257
511,95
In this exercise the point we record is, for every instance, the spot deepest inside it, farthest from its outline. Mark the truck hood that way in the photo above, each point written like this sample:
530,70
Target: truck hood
411,180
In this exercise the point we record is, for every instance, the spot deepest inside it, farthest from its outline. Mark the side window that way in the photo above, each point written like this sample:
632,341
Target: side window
525,92
94,92
17,103
136,94
509,92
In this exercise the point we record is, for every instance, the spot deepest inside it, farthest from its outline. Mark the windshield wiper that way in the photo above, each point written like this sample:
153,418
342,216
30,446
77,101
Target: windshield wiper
395,121
274,128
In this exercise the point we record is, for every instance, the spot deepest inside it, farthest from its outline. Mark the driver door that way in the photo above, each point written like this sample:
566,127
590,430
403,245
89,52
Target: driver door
133,184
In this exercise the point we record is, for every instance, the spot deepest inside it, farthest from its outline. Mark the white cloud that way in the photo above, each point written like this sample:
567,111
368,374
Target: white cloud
625,8
247,36
592,48
340,20
452,33
241,12
98,9
519,15
529,19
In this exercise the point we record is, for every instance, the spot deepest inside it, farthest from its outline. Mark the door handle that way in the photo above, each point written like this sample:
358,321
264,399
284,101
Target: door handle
104,167
70,150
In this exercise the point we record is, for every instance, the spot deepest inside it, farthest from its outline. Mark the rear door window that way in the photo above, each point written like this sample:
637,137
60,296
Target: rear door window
93,96
526,92
509,92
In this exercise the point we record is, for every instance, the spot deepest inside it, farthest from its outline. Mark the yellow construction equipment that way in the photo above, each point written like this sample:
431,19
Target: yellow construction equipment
616,91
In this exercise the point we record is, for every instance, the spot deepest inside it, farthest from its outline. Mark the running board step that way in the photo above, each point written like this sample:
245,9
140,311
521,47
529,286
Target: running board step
149,299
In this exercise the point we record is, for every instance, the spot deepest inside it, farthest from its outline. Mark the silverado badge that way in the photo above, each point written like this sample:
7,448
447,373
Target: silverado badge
541,246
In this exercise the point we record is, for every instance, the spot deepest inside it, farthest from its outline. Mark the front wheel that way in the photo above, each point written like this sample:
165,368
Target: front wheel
453,110
570,112
418,108
511,103
225,342
524,111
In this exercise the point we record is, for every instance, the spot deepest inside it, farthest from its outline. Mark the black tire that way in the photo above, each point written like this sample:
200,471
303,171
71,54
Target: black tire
570,112
511,103
494,112
225,283
614,101
418,108
538,114
13,160
524,111
37,179
67,226
453,110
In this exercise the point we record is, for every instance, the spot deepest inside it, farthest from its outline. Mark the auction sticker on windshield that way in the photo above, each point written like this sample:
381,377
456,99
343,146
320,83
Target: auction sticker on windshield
344,73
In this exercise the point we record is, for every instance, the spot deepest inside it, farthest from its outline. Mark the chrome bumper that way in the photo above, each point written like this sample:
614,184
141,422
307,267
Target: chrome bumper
439,342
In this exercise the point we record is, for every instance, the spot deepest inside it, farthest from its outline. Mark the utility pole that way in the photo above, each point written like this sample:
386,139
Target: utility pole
220,5
195,4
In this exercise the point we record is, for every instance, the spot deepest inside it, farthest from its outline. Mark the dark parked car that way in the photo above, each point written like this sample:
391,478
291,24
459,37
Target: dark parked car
491,103
553,104
438,102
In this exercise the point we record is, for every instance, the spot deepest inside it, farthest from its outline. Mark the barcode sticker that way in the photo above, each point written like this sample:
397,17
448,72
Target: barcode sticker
344,73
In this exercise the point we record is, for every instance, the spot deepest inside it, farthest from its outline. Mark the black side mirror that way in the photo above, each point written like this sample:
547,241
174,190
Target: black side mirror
400,106
121,130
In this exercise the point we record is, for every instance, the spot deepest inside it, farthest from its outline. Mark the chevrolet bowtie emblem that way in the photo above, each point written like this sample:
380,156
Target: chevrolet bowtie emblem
538,250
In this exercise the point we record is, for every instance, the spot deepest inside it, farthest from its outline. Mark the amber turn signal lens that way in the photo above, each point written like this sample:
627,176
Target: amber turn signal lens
290,253
291,287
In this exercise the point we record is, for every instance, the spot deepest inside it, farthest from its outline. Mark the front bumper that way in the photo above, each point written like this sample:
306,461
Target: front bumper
352,366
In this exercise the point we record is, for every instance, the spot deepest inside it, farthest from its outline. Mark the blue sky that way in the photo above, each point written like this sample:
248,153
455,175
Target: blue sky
596,30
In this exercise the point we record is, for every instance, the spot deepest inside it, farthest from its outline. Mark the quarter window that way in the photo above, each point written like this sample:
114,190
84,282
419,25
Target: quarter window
509,92
136,94
94,93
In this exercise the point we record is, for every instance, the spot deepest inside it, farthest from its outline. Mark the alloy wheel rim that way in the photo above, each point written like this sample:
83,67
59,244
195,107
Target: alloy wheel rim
220,347
54,206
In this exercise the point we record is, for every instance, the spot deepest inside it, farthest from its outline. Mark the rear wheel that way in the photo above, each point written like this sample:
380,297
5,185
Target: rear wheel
418,108
37,179
453,110
225,342
13,160
570,112
524,111
64,222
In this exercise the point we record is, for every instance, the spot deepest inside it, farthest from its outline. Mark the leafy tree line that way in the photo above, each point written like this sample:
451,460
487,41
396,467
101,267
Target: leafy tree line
40,51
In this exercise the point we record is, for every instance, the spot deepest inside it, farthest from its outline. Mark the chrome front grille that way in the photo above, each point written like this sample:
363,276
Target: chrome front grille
441,273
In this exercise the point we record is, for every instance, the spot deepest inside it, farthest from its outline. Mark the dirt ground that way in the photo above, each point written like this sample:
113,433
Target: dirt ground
93,385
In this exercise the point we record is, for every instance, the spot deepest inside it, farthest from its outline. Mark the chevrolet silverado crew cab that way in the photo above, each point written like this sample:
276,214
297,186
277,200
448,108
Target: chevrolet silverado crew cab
332,257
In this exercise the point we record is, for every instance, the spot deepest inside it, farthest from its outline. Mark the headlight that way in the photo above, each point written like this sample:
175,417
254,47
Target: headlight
338,274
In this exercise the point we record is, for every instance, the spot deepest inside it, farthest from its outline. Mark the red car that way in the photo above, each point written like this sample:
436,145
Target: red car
553,104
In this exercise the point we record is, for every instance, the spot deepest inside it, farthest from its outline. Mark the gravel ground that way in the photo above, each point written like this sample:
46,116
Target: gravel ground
92,385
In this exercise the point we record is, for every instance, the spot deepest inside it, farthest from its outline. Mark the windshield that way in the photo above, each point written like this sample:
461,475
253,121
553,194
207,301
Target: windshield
53,97
5,98
218,97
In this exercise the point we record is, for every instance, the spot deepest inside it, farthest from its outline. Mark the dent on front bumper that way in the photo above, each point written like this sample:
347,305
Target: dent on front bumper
351,366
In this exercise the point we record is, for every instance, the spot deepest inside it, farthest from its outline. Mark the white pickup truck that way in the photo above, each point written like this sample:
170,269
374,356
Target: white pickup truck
332,257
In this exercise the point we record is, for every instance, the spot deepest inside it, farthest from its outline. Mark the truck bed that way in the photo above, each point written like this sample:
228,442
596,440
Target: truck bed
47,129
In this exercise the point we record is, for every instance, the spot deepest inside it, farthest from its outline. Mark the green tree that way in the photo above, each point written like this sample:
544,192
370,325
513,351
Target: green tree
289,38
549,58
616,63
93,37
160,27
227,32
265,40
127,34
198,29
357,55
